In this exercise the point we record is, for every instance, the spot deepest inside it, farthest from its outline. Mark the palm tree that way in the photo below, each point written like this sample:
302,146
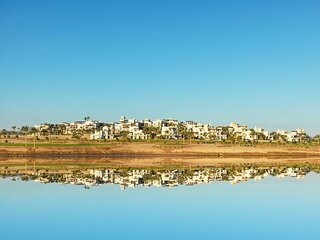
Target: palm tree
34,131
225,131
190,134
253,134
25,130
275,136
230,136
60,128
151,131
3,132
182,131
147,131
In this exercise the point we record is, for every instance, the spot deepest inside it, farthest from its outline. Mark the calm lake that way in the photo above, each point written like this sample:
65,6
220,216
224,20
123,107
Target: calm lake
215,203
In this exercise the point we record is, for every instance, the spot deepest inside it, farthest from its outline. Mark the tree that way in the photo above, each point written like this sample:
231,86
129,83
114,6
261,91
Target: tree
34,132
77,133
44,132
151,131
316,139
231,136
190,134
124,135
260,136
253,134
182,131
24,129
60,129
225,131
4,131
275,136
86,118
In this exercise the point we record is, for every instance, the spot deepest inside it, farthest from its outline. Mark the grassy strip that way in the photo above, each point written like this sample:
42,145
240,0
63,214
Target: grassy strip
56,144
315,166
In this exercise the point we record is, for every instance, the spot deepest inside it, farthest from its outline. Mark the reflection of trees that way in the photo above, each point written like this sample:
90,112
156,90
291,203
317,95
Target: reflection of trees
160,177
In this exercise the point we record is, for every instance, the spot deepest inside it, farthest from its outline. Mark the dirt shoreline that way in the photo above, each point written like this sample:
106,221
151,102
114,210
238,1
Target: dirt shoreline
154,154
156,149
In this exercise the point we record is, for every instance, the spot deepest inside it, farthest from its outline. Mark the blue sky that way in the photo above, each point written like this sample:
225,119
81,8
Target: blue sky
255,62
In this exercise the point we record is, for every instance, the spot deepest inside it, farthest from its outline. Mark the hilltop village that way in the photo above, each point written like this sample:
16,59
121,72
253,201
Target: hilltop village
162,129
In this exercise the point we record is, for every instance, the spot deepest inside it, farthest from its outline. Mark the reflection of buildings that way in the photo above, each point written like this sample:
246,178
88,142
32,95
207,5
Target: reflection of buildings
163,178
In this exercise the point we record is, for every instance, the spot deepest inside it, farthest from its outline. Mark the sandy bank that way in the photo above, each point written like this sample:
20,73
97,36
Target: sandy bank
158,149
155,154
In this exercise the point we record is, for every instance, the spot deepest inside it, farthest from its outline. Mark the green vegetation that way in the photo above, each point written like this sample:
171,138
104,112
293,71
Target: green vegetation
48,144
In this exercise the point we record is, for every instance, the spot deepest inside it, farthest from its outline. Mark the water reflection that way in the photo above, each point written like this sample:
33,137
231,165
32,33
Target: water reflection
89,177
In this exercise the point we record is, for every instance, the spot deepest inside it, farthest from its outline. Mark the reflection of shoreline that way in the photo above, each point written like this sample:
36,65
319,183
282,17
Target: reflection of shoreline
150,155
155,177
135,161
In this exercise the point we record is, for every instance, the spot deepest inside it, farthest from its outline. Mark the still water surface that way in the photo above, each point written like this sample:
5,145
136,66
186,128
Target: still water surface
273,208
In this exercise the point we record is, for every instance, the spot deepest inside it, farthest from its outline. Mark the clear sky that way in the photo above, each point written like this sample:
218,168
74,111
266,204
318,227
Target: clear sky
254,62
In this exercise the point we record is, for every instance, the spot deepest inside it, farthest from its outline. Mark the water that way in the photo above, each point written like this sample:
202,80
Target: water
273,208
